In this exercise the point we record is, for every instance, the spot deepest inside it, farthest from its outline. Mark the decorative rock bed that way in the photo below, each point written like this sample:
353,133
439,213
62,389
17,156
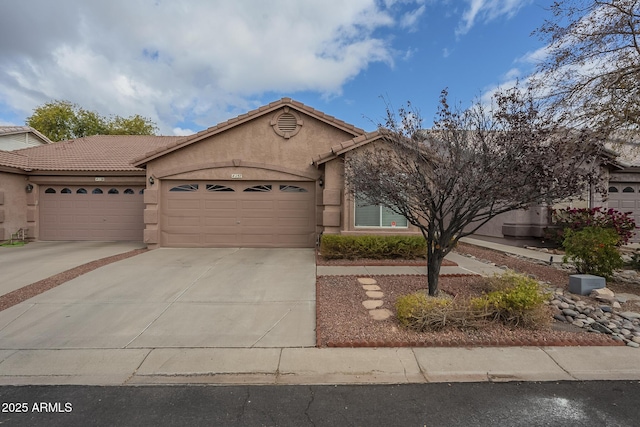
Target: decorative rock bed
599,317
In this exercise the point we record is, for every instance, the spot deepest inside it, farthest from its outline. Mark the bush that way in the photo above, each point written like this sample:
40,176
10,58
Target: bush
513,299
421,312
593,250
335,246
516,300
578,219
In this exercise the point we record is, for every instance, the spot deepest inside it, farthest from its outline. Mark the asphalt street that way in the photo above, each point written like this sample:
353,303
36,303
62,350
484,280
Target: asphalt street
595,403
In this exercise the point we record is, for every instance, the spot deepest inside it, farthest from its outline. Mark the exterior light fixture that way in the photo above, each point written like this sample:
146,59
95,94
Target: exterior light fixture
28,188
321,181
151,180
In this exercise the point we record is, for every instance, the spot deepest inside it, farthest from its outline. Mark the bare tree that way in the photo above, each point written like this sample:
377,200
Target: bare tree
591,69
471,166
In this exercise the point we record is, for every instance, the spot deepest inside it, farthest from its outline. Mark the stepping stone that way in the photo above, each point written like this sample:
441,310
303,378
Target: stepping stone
375,294
371,287
380,314
367,281
372,303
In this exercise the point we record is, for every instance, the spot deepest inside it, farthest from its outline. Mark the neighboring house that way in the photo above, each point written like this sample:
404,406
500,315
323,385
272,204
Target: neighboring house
17,137
270,178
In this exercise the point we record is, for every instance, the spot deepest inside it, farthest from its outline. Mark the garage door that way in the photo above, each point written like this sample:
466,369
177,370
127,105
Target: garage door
238,214
101,213
625,197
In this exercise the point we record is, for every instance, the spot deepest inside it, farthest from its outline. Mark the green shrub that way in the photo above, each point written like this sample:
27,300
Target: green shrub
414,306
335,246
516,300
593,250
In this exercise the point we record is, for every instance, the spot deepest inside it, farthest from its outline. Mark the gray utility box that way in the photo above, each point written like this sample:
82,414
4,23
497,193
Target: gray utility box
583,284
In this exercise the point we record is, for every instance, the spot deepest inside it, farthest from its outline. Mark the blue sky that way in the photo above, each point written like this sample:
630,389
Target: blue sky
188,65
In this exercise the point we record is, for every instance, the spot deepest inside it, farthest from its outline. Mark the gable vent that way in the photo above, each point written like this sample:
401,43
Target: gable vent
287,123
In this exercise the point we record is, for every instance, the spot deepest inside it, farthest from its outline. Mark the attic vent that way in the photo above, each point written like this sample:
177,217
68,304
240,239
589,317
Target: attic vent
286,123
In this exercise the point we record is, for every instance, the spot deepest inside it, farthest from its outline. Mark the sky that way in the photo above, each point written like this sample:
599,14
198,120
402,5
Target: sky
190,64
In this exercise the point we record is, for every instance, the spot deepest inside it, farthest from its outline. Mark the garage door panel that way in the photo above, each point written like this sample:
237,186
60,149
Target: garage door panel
240,218
626,201
221,204
77,216
220,221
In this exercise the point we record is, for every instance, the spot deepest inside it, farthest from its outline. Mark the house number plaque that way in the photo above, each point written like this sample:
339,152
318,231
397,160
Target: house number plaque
236,176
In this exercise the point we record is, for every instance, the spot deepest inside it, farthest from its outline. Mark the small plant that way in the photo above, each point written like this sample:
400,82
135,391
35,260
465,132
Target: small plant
335,246
593,250
421,312
516,300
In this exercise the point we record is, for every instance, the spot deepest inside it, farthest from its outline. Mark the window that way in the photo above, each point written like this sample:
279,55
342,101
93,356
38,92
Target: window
613,189
97,191
258,189
215,187
129,191
377,216
66,191
114,191
292,189
628,190
81,191
185,187
50,191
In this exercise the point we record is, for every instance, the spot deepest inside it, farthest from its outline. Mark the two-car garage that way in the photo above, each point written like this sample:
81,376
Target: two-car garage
238,214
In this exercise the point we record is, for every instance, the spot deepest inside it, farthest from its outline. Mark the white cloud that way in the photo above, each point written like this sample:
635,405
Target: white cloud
486,11
178,131
190,61
410,19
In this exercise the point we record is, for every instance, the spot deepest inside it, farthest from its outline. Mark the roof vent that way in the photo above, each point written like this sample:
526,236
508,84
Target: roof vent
286,123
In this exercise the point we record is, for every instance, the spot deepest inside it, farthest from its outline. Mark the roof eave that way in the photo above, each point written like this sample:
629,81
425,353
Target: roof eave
243,118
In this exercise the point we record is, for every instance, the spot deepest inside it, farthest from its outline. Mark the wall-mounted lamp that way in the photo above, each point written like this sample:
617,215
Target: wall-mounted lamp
28,188
151,180
321,181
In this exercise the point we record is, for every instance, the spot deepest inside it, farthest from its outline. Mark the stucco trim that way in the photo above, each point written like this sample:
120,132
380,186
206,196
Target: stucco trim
236,163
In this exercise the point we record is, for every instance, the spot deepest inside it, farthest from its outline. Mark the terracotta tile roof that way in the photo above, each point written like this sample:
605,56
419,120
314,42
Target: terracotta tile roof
299,106
349,145
93,153
13,160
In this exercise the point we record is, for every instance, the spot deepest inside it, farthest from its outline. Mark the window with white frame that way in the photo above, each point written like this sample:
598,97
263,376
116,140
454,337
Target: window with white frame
367,215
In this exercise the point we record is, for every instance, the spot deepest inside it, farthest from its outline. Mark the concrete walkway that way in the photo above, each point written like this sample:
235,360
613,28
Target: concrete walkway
316,365
156,361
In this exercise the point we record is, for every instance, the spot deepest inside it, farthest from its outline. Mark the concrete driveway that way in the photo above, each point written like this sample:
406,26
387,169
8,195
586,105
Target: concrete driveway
23,265
175,298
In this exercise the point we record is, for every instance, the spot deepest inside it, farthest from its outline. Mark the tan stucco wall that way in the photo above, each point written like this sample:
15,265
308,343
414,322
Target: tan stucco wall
13,204
254,151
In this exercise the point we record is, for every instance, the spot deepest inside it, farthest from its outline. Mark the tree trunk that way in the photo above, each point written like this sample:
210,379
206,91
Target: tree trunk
435,256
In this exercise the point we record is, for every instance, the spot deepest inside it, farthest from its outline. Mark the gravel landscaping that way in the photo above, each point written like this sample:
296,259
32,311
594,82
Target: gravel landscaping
343,320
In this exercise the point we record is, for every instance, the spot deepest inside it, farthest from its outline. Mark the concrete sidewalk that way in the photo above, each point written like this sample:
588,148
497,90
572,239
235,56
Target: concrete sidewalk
316,366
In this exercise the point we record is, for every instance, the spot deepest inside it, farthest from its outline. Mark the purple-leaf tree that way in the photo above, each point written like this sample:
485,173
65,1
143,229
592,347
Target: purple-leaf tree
470,166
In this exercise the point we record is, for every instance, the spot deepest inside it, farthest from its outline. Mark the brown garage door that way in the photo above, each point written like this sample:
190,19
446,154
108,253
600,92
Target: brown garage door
101,213
238,214
625,197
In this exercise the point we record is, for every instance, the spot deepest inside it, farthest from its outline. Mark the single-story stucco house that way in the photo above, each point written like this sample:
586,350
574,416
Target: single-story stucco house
272,177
